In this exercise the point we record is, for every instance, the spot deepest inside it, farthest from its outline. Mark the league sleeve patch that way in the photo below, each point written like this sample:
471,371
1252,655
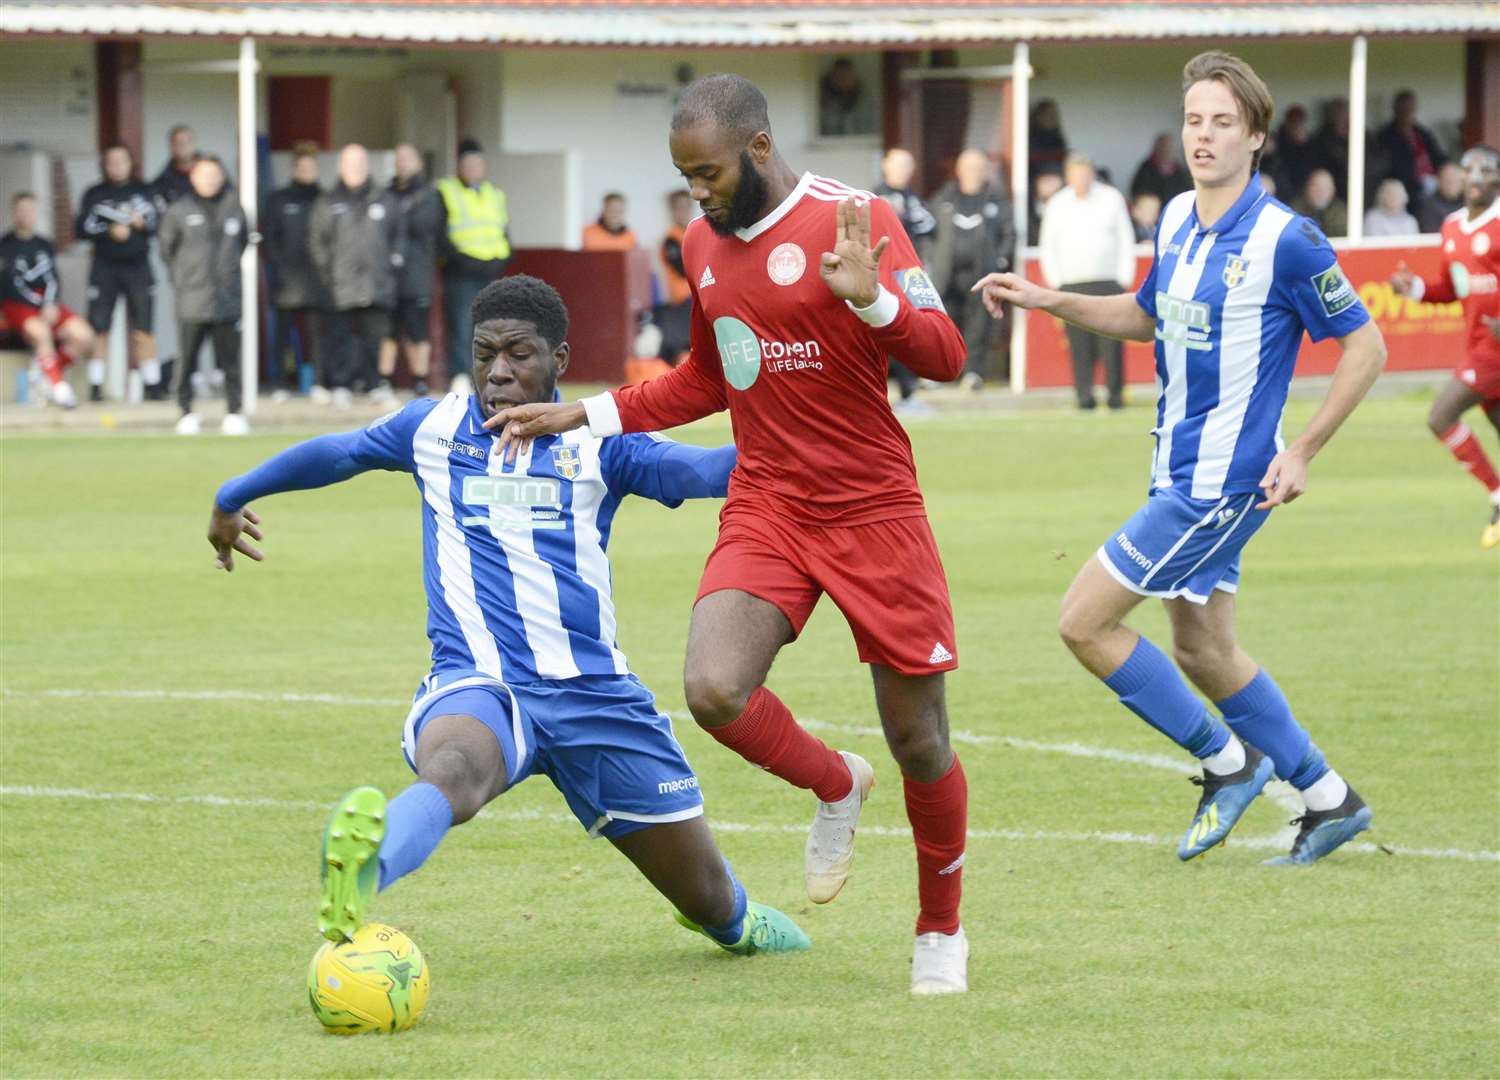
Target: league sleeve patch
1334,291
919,289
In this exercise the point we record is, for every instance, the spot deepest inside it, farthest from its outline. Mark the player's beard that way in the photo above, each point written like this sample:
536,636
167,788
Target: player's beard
749,203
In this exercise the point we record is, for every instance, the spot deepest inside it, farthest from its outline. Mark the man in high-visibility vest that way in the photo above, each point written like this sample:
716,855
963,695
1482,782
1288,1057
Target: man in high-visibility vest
475,246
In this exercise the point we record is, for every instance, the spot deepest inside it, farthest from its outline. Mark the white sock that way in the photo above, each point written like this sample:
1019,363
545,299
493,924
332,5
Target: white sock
96,372
1231,759
151,371
1328,793
1495,497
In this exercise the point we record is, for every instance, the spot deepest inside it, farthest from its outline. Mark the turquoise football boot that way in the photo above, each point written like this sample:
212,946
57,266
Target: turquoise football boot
766,931
1224,799
351,868
1324,830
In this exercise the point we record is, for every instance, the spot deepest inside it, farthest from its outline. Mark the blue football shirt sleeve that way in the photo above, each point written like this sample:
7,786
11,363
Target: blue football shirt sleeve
387,443
328,459
655,467
1311,282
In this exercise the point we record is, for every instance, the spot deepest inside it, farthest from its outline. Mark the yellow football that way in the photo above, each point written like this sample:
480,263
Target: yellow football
376,982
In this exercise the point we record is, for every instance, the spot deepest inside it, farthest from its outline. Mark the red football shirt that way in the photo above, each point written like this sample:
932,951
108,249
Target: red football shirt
1471,274
802,374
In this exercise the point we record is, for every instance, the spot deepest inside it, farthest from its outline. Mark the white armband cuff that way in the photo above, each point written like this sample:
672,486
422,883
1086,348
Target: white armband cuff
1418,289
603,414
882,312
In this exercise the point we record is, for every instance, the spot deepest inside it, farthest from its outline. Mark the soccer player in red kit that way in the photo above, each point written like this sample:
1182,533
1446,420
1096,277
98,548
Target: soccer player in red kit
1470,274
792,338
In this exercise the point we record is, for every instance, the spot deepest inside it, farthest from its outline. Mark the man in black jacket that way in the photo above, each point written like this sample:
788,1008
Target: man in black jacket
118,215
173,182
1411,153
419,215
352,237
202,237
975,236
296,290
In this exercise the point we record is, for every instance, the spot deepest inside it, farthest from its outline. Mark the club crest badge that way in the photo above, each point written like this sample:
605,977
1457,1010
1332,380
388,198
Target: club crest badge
786,264
565,461
1236,268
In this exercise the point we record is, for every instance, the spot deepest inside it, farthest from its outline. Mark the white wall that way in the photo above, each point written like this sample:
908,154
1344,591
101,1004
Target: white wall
1115,98
47,95
598,105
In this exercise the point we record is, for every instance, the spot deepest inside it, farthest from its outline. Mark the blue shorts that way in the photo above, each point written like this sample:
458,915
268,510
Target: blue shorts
599,738
1176,546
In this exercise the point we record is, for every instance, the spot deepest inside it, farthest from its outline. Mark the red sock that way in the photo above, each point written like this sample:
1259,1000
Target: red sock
51,368
939,816
766,735
1461,441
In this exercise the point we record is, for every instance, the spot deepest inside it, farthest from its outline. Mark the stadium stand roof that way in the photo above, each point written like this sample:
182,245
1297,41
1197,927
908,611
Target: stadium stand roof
884,24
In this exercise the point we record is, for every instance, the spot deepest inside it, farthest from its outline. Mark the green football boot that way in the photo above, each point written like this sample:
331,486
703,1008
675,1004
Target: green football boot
351,871
766,931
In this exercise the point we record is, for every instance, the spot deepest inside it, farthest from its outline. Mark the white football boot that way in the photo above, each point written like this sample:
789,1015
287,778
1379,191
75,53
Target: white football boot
830,843
63,396
189,424
940,964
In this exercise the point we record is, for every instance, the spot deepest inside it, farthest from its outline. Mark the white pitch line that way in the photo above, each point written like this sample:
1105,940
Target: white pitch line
540,817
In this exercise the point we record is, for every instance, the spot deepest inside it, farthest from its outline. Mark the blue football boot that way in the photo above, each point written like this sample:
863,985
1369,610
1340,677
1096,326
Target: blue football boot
1324,830
1223,801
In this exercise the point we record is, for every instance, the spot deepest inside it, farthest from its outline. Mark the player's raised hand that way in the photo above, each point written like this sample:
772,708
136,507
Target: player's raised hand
1401,280
519,424
227,532
997,290
1285,479
852,269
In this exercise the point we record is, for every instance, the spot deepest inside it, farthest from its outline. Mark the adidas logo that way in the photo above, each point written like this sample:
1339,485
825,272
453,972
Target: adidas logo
707,279
940,654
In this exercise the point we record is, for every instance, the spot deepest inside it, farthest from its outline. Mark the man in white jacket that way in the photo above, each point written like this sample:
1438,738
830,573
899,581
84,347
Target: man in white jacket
1088,246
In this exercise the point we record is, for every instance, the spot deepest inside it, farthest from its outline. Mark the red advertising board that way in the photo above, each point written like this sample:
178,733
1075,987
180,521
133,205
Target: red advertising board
1418,337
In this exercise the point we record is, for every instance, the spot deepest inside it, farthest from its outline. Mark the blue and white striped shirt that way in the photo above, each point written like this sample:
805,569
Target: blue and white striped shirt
1231,302
514,565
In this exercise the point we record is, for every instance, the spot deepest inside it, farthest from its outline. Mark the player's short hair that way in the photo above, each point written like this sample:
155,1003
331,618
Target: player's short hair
523,297
20,195
304,148
1250,92
731,103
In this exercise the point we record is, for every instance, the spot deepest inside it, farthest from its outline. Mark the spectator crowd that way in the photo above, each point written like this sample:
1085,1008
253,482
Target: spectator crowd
352,269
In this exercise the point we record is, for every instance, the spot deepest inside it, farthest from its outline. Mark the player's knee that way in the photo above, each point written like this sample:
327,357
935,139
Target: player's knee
923,755
714,698
1077,631
1438,421
462,781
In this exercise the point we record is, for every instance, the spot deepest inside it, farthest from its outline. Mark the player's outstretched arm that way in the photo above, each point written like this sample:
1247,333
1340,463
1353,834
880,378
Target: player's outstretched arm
1359,366
1112,316
519,424
312,464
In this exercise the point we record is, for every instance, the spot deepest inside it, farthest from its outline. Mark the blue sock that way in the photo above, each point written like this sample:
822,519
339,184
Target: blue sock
731,932
1260,715
415,823
1149,686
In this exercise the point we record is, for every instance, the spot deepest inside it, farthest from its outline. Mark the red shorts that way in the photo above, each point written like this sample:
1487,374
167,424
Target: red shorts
885,576
15,314
1483,377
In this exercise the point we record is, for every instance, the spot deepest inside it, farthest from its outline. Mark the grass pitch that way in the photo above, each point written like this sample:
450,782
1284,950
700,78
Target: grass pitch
172,738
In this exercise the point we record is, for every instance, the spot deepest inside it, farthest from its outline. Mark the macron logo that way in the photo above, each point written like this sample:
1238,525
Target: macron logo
940,654
707,279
